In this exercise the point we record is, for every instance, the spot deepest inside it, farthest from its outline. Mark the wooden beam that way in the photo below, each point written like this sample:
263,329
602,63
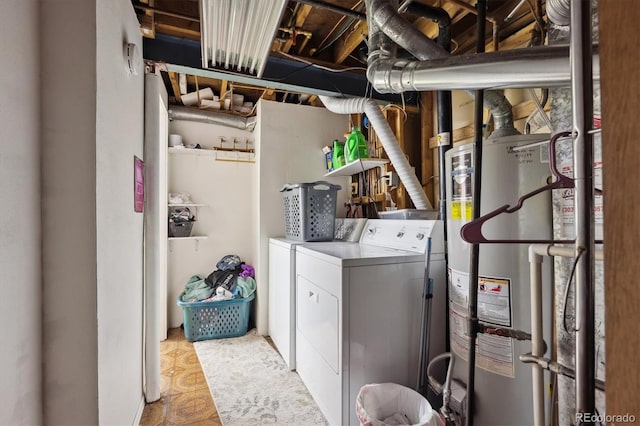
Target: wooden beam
223,90
348,42
620,153
177,31
303,12
457,135
517,40
269,94
426,130
175,85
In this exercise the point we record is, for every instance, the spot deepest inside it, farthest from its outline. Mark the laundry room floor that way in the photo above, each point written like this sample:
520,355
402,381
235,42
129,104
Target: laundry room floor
185,397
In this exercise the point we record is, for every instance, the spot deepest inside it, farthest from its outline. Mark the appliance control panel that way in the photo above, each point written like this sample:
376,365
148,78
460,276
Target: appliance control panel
409,235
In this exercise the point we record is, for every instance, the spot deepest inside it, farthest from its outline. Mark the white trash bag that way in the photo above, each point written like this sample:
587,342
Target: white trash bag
391,404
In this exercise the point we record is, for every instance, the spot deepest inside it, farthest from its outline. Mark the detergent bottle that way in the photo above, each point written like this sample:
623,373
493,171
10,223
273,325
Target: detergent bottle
356,146
338,154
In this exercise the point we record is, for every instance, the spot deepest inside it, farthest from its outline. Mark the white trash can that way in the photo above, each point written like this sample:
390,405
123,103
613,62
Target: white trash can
392,404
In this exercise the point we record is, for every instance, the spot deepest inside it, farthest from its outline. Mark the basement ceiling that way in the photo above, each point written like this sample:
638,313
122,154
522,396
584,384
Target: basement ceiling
312,34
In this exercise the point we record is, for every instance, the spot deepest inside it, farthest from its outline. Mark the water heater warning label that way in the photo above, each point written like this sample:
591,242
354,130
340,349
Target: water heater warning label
494,300
494,297
461,192
493,353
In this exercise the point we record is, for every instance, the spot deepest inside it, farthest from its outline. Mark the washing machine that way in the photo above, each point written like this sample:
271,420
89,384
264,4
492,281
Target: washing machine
359,311
282,273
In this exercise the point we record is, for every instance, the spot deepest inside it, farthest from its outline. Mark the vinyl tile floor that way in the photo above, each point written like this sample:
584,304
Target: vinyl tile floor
185,397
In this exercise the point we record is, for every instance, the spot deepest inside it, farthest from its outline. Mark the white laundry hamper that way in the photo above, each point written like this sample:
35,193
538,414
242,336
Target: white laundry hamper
385,404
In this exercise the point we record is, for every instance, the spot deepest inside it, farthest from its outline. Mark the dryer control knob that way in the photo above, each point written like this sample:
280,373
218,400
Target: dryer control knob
420,236
400,234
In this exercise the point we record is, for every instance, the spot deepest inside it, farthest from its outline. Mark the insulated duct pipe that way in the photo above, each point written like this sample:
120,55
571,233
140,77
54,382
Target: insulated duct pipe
409,38
212,117
445,120
388,141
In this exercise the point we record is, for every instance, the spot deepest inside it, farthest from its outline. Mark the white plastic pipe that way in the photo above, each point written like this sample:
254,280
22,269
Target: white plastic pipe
388,141
536,251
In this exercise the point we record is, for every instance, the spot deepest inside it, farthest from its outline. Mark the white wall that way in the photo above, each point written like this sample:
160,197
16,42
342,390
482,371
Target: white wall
92,240
68,107
229,217
20,279
289,141
119,136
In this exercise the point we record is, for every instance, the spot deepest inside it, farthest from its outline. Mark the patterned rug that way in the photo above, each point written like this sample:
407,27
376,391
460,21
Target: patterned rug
251,384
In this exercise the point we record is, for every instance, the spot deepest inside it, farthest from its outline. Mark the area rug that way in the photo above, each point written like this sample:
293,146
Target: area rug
251,384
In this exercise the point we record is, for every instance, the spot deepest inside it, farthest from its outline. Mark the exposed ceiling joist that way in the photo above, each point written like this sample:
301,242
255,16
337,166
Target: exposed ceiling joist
348,42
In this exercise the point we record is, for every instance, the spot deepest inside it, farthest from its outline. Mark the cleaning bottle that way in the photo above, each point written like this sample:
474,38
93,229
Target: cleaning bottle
338,154
356,145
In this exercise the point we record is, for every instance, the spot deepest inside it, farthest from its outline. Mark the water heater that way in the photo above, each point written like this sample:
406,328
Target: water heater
511,167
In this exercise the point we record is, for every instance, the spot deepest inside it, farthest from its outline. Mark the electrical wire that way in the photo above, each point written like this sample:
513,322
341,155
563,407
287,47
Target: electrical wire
540,109
566,291
296,58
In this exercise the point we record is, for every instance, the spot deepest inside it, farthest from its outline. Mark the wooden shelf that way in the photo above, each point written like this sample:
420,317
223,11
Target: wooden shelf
193,237
186,205
358,166
192,151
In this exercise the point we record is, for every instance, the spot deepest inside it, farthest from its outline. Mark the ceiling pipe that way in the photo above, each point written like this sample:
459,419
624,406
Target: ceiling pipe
514,69
408,37
336,9
559,12
212,117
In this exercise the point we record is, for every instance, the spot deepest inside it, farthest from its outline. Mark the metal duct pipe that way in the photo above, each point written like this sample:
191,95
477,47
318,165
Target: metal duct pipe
559,12
408,37
402,32
212,117
517,69
502,112
388,141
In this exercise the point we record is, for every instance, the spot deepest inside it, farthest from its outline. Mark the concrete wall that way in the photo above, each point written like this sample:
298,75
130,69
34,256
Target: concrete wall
20,279
119,136
289,147
228,219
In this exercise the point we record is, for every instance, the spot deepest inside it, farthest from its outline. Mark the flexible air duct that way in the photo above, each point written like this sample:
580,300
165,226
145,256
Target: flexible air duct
388,141
212,117
559,12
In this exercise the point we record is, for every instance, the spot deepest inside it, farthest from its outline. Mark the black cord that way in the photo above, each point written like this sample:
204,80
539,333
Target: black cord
566,291
291,73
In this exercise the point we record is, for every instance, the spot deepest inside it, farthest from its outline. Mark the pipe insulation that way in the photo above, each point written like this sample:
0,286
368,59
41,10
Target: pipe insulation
212,117
399,30
388,141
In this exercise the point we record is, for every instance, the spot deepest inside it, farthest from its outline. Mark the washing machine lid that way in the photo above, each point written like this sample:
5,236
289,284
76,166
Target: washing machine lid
347,254
285,243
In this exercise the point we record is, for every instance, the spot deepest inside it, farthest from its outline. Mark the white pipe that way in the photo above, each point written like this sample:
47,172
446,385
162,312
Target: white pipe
536,251
537,341
388,141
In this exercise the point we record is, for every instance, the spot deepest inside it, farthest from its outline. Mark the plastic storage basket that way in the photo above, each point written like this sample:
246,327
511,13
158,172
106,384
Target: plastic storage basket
180,229
215,320
310,210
